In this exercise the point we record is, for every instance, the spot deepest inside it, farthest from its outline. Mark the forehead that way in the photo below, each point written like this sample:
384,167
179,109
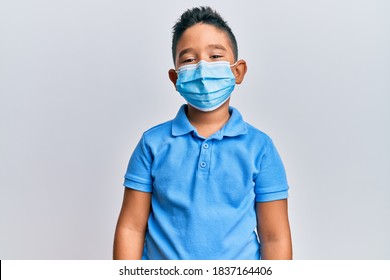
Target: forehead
202,35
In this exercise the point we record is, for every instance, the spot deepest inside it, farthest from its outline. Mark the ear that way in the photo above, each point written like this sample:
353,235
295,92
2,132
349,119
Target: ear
239,70
172,76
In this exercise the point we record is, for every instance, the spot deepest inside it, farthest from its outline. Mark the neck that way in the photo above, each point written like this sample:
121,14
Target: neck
207,123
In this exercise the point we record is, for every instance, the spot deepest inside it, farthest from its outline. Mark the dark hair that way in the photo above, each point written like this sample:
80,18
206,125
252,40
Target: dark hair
201,15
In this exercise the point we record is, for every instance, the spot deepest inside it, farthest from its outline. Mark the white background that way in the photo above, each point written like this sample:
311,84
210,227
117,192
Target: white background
81,80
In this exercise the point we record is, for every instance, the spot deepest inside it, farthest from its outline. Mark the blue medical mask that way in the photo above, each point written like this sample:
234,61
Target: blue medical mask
206,85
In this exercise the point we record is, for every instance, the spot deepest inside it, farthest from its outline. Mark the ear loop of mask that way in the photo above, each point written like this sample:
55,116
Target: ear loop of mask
234,64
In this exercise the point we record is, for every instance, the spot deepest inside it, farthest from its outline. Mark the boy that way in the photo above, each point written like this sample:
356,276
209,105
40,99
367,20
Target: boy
205,185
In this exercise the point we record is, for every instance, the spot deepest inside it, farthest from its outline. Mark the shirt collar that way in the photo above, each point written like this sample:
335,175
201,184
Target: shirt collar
234,127
181,125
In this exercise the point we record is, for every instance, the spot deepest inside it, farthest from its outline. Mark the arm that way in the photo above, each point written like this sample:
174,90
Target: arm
132,223
274,230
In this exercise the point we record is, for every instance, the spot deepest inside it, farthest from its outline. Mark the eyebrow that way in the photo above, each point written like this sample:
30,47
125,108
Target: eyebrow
216,46
183,52
211,46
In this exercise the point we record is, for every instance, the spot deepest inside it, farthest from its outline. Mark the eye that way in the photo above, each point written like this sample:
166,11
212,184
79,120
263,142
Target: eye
216,56
189,60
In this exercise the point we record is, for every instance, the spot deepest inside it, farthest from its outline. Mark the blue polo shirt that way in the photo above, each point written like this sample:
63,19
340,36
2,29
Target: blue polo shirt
204,190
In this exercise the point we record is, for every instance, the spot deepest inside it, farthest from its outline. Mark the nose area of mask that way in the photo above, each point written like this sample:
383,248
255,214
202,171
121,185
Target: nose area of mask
204,70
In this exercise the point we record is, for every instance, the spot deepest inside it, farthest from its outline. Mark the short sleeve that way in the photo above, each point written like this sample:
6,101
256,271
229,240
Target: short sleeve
271,182
138,174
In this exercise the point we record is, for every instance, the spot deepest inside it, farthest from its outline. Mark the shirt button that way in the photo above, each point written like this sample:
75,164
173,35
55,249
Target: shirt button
205,146
203,164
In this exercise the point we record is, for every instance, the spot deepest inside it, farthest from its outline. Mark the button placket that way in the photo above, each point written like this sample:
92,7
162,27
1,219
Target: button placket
205,157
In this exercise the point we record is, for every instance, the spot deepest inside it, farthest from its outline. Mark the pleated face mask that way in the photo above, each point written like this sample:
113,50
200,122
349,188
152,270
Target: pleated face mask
206,85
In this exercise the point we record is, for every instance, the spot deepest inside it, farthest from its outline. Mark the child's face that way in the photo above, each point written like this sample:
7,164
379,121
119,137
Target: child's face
203,42
206,42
